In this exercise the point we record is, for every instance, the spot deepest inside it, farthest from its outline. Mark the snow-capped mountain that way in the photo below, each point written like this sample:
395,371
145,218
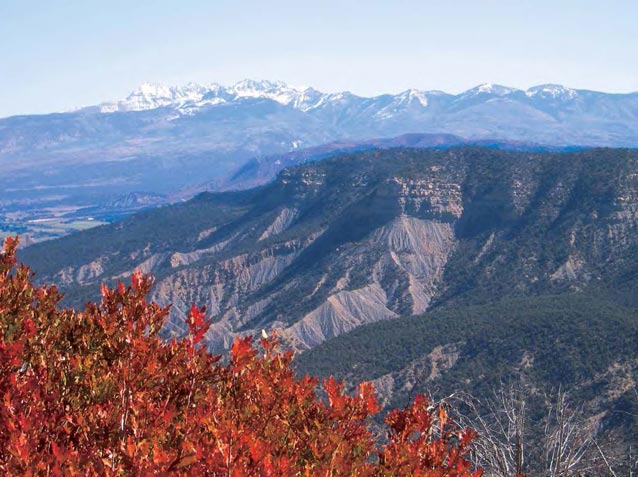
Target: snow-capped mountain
185,98
192,96
151,96
545,113
551,91
489,89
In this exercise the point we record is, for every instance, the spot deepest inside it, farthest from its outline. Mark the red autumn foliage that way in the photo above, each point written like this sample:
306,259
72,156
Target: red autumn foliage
98,392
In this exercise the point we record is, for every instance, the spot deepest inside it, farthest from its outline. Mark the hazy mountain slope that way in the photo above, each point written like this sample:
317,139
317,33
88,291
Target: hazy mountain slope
375,235
258,171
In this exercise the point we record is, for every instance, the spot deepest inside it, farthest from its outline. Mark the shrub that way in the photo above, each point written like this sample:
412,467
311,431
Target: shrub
98,392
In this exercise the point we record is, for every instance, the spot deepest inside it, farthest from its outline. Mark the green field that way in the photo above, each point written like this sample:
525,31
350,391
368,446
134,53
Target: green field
38,231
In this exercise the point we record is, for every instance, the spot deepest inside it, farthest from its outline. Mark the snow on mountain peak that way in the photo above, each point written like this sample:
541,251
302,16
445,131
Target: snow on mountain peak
190,98
258,85
490,88
551,91
412,95
152,95
303,99
151,90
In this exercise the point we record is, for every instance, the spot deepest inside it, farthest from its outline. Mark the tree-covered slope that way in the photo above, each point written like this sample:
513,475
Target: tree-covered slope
586,344
515,355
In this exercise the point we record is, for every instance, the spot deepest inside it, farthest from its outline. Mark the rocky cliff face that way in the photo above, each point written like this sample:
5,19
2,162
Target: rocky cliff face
372,236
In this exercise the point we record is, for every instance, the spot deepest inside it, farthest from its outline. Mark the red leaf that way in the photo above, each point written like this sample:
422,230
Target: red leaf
197,324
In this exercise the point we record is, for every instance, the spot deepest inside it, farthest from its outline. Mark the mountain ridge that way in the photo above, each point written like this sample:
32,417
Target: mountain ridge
154,95
373,235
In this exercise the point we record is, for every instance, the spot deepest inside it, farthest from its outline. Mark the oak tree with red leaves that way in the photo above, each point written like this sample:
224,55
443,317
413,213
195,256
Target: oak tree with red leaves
98,392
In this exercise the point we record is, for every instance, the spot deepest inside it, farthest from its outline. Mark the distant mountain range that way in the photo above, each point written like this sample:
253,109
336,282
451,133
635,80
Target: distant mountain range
161,141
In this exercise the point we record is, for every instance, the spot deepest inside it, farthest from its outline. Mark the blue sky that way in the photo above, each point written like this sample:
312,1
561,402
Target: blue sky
59,54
